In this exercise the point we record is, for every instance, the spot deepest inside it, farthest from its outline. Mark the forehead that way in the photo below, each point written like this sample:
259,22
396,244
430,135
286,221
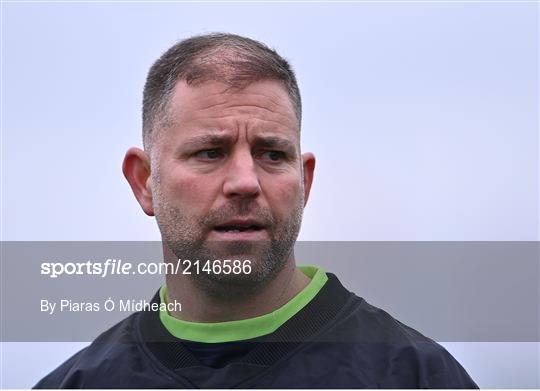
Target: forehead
264,103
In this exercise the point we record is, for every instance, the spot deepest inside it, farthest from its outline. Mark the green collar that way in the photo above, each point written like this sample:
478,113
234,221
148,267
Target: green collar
238,330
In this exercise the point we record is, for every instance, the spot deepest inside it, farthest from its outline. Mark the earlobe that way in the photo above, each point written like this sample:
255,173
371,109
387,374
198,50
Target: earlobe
308,161
136,169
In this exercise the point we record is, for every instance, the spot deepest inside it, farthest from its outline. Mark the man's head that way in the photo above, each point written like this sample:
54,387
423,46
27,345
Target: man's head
231,59
222,169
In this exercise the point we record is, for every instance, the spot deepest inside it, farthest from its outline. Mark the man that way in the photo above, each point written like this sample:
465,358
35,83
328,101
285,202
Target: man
223,174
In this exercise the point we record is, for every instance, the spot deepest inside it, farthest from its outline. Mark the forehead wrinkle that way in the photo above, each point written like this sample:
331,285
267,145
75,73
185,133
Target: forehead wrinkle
251,112
278,102
228,115
274,98
232,113
224,98
251,123
229,106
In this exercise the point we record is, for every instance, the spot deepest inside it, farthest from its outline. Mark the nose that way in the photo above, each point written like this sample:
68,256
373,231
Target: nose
241,179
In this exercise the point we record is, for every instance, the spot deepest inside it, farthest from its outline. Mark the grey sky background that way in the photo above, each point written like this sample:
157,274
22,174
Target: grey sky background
423,118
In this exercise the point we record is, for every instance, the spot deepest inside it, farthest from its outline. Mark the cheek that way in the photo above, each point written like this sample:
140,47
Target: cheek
284,195
187,190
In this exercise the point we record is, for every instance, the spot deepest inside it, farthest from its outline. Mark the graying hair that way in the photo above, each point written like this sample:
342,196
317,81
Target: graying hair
232,59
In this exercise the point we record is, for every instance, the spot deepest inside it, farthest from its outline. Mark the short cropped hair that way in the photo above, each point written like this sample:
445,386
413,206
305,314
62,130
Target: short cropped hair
235,60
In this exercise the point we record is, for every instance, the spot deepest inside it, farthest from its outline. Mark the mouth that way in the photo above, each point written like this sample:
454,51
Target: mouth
239,229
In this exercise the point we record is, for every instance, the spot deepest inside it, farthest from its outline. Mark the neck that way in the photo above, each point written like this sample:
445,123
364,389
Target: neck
199,306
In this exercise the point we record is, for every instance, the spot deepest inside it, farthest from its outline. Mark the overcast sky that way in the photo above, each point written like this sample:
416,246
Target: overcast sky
423,117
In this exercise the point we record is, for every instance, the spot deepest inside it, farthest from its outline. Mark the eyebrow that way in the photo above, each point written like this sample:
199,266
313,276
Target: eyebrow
271,142
207,139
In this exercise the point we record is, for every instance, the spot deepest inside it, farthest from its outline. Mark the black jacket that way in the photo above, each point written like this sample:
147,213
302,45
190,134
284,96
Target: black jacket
337,341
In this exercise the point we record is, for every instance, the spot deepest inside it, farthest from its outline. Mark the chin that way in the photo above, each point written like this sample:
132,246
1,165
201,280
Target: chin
236,286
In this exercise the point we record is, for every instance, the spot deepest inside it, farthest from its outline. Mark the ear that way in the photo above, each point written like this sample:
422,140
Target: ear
308,161
136,169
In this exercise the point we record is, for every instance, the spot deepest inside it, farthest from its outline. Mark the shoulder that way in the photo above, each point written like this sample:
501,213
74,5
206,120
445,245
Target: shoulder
410,356
384,352
83,368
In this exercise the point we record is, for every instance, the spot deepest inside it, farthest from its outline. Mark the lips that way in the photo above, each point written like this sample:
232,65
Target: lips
234,226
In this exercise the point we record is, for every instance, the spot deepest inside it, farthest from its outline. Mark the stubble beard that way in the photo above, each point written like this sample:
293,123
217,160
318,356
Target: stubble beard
185,237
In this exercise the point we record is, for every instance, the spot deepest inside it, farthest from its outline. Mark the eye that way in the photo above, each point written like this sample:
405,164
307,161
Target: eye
209,154
273,156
